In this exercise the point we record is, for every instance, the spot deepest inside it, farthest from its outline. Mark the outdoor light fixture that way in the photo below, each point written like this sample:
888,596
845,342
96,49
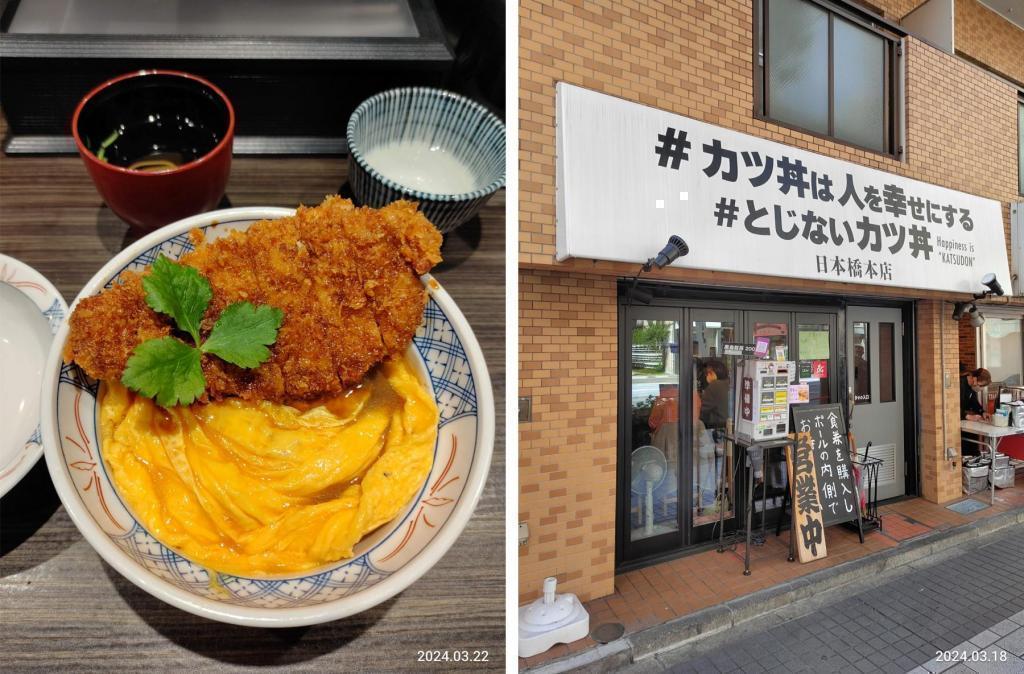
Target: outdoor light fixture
977,318
989,280
673,250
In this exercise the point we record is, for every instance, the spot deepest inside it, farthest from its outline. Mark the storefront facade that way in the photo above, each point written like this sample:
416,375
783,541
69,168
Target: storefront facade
605,375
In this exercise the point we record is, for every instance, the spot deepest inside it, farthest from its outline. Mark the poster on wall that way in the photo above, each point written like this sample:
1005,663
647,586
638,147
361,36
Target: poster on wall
629,176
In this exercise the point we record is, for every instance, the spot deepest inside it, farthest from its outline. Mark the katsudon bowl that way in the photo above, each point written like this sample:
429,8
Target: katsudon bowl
388,560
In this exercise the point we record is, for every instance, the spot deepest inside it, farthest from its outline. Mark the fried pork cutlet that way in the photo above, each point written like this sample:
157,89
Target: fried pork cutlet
346,278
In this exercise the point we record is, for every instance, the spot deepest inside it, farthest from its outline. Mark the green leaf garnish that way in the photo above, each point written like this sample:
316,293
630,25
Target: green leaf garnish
242,333
166,369
170,370
179,291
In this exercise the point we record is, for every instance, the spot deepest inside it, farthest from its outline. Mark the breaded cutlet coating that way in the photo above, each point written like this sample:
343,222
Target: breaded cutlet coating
346,278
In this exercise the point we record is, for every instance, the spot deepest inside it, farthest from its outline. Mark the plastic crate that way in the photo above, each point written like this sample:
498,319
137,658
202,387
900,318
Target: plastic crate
972,485
1003,477
975,479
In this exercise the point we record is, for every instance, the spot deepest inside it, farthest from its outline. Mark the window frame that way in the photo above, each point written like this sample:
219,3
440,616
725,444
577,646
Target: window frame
892,149
979,334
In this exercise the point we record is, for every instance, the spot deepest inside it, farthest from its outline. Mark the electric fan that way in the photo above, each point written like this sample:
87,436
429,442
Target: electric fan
649,469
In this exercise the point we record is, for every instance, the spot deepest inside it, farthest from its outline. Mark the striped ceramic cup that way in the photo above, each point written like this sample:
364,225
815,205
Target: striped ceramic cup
426,145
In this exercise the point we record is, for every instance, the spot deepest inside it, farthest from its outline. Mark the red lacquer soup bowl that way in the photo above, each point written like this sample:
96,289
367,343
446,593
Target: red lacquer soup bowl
157,144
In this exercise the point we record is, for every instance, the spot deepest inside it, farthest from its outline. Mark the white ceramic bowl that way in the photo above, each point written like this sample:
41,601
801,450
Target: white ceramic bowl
385,563
32,311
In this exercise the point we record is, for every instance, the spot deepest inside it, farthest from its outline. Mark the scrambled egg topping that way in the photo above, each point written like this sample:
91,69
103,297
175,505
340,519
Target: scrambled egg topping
259,488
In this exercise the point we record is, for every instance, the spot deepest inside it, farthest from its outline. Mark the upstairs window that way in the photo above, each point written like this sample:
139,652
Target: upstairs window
826,71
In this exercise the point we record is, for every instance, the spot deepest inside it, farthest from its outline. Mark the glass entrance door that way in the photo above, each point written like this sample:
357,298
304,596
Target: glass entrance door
677,476
653,467
713,393
816,356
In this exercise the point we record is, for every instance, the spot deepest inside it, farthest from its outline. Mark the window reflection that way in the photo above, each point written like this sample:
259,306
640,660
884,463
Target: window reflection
861,364
654,466
777,334
712,402
814,364
1002,351
886,362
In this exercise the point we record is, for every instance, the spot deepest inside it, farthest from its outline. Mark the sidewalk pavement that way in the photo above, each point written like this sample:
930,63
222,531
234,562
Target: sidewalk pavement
682,598
958,612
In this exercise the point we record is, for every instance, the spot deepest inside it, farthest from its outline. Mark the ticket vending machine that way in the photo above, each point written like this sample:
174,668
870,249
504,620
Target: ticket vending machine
762,399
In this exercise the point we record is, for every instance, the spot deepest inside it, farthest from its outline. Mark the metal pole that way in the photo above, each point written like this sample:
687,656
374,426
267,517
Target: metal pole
749,498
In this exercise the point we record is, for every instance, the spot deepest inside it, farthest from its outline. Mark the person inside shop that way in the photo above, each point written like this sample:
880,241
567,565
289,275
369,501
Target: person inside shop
971,382
714,397
714,412
861,374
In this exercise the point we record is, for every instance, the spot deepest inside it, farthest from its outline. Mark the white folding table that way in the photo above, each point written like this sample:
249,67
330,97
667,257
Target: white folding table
989,437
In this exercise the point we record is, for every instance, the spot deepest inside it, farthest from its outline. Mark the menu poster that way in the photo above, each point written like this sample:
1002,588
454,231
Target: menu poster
799,394
833,468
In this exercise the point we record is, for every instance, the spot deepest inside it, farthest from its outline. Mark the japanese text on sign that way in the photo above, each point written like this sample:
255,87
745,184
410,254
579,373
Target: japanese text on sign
629,176
808,523
825,428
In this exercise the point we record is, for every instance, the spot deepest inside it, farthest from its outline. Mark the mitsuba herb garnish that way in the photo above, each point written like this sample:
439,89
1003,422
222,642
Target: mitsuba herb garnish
169,369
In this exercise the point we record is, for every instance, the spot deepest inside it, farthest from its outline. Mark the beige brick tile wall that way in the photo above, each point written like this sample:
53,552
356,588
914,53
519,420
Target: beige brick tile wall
567,352
986,37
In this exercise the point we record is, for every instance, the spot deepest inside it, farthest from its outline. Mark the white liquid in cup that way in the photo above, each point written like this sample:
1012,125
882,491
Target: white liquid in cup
416,165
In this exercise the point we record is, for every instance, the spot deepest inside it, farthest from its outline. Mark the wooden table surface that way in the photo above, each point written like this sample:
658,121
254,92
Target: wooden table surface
62,607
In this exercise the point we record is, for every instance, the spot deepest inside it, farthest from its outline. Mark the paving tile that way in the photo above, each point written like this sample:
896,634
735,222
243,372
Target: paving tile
1004,627
1013,642
960,668
985,639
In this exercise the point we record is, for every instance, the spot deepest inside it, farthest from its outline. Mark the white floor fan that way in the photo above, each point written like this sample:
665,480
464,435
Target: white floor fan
648,470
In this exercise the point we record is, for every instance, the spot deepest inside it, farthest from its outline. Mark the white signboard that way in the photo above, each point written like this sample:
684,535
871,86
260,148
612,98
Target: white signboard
629,176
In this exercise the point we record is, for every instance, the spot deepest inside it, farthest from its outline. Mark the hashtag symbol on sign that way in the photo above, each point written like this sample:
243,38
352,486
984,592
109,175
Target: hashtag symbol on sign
725,212
672,145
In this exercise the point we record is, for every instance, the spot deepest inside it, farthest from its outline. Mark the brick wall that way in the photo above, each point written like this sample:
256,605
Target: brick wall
968,338
693,59
986,37
937,366
894,10
567,362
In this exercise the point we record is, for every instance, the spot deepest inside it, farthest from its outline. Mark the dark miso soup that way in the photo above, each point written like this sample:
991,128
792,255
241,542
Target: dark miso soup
153,123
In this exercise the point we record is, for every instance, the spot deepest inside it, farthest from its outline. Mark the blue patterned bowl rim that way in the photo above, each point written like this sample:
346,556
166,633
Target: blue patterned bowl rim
259,616
356,152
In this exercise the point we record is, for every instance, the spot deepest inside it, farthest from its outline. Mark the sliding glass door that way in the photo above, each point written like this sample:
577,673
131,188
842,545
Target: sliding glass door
713,392
677,399
652,470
